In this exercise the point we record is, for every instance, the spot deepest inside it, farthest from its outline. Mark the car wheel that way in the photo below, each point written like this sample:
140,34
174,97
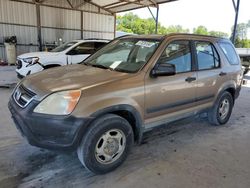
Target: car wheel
221,111
106,144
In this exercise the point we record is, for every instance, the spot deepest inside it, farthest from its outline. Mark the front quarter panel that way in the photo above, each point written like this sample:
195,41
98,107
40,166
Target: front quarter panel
113,95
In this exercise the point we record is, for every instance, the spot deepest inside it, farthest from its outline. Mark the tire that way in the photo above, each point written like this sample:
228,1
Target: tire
102,134
216,115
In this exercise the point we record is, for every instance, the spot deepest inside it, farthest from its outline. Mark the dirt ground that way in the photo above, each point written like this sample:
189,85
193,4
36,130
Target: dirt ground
190,153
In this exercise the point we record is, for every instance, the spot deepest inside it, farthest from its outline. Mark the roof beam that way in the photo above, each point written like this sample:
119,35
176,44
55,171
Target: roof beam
70,4
80,4
234,4
117,6
153,2
137,3
105,9
111,4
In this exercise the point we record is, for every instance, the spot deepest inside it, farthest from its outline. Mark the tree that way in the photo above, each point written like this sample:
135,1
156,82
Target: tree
176,29
218,34
131,23
241,30
201,30
241,40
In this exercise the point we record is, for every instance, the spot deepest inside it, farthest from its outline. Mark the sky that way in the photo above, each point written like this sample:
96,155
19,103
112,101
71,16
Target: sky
216,15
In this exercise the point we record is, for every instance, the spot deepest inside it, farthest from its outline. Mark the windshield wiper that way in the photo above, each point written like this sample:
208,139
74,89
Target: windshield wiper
122,70
86,63
99,66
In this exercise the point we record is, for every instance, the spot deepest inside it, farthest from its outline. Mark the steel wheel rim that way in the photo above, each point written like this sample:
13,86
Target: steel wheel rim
110,146
224,108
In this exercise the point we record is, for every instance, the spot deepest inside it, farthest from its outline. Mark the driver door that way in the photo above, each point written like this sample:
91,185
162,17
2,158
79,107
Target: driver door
170,96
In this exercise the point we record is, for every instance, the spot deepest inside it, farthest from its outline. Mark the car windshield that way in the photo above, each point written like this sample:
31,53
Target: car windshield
63,47
124,55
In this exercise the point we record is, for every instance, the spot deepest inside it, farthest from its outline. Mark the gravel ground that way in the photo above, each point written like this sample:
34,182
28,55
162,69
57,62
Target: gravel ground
190,153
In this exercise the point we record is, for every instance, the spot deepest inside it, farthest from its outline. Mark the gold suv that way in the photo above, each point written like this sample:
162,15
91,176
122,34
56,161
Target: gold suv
103,105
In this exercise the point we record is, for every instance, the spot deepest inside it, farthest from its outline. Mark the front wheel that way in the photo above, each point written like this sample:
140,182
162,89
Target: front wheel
222,109
106,144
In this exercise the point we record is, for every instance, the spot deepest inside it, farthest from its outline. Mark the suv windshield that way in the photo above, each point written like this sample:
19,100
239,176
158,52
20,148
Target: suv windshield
124,55
63,47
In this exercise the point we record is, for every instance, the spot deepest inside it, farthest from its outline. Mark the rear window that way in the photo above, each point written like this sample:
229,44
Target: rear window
229,52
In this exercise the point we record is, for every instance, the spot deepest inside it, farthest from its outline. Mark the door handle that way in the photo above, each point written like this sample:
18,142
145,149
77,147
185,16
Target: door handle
222,74
190,79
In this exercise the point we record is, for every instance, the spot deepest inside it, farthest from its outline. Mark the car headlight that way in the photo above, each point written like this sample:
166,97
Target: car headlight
60,103
31,60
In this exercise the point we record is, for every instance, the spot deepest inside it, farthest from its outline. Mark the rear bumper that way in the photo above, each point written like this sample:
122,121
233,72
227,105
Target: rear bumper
48,131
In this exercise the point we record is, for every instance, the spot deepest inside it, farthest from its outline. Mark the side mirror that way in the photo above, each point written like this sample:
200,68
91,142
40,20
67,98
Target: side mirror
163,69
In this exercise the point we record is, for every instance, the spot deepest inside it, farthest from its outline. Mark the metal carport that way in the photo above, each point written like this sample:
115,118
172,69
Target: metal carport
37,22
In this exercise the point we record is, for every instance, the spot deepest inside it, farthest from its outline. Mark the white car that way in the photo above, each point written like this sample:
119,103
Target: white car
68,53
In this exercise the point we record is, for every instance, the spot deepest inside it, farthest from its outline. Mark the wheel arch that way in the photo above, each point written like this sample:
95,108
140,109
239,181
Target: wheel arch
127,112
231,88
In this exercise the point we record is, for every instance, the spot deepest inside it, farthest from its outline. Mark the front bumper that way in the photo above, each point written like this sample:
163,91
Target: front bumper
48,131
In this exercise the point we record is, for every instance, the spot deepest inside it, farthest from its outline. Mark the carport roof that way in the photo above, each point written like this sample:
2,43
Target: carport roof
109,6
116,6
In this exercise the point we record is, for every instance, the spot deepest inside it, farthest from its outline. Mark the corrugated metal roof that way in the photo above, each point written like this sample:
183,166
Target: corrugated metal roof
101,6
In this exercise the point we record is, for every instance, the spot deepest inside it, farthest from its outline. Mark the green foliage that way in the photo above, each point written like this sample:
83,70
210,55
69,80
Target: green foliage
202,30
218,34
131,23
241,40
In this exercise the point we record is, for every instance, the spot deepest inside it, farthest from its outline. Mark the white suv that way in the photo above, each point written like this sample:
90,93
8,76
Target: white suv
68,53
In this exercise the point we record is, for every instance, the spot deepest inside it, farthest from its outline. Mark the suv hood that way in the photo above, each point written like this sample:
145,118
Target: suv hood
38,54
69,77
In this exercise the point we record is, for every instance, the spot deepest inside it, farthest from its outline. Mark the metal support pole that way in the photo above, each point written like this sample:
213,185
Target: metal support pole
39,31
114,25
236,20
156,19
81,24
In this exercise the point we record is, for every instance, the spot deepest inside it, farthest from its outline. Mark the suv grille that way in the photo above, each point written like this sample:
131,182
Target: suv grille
19,64
23,96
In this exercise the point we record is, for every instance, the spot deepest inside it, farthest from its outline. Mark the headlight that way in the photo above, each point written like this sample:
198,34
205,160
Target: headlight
61,103
31,60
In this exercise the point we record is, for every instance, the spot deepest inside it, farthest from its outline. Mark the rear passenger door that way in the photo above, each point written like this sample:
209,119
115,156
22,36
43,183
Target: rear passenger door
210,76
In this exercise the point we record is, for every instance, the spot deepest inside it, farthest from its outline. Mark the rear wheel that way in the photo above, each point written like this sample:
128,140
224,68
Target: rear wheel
106,145
222,109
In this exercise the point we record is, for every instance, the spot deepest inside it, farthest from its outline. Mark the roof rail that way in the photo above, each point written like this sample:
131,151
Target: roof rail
95,39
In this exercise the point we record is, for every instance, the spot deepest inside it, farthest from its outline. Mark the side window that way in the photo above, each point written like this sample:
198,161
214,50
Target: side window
229,52
207,56
99,45
84,48
178,53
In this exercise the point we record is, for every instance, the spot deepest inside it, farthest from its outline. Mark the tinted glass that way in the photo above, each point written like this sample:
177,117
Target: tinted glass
63,47
85,48
230,53
178,53
124,55
98,45
207,56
